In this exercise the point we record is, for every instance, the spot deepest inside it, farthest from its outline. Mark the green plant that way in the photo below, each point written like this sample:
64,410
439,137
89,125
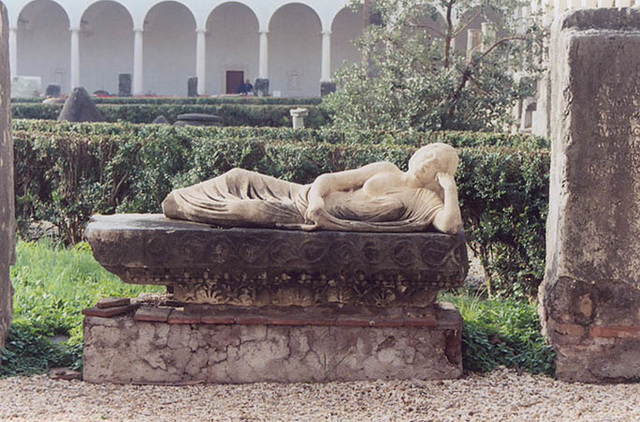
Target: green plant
191,100
232,114
501,332
52,286
413,77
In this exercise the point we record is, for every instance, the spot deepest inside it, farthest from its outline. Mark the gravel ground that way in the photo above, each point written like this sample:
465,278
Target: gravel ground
502,395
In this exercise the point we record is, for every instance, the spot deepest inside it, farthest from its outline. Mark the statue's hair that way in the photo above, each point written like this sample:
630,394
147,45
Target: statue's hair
437,149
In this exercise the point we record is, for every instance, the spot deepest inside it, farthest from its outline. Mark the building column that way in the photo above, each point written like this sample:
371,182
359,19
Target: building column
138,63
326,57
13,51
201,60
263,72
261,87
326,86
75,57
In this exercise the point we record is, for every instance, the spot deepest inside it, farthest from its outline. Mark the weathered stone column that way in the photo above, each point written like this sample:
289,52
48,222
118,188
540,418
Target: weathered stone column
590,299
6,182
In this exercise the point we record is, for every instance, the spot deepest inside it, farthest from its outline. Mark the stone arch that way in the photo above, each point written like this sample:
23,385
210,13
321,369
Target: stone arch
346,28
43,42
169,48
295,50
232,44
106,46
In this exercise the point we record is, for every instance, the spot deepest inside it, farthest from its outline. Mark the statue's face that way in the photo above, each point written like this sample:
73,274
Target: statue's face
428,161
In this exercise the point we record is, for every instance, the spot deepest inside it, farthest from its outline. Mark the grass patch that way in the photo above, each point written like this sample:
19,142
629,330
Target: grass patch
52,285
501,332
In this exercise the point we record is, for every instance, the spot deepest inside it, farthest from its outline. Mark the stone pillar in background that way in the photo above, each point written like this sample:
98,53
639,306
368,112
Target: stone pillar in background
138,61
13,51
261,87
201,60
75,57
7,256
590,299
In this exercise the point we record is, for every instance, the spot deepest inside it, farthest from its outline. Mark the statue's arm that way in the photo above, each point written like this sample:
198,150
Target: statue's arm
341,181
448,219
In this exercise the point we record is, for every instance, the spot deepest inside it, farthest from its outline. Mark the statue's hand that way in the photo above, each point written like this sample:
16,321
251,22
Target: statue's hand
446,180
315,213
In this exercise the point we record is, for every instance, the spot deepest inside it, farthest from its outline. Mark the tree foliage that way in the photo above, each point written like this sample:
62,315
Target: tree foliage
416,74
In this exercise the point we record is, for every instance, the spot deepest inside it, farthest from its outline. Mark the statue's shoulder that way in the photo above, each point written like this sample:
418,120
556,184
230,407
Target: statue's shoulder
385,166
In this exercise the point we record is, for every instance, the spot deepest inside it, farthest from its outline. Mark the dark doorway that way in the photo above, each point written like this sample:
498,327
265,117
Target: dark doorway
235,78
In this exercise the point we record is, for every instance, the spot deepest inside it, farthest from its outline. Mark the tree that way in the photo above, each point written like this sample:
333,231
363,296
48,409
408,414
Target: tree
415,77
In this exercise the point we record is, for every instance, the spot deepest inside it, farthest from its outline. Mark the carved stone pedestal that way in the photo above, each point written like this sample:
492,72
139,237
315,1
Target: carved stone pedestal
249,305
164,345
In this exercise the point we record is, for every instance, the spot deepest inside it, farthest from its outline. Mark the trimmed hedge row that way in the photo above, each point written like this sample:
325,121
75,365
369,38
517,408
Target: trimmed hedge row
67,172
192,100
232,114
332,136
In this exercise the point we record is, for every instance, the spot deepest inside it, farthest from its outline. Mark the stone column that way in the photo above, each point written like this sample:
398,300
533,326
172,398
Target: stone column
75,57
262,83
7,256
138,61
590,298
13,51
326,86
201,56
474,40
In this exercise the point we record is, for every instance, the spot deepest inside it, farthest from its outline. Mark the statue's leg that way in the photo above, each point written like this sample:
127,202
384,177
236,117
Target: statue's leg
237,198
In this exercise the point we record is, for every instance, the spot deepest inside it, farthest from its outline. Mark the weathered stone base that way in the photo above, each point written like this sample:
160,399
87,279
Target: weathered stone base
287,346
594,329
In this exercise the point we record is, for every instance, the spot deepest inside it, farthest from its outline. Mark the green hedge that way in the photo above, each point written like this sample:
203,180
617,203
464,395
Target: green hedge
67,172
232,114
192,100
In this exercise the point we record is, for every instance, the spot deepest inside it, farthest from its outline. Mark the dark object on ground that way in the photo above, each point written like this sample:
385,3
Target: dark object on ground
198,119
79,107
161,120
52,91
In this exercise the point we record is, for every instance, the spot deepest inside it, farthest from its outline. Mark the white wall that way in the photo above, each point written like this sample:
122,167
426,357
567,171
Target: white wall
169,49
43,34
347,27
232,44
295,51
106,46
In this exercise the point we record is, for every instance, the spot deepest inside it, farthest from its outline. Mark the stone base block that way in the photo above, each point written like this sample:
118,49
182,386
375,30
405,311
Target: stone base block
594,329
172,347
327,88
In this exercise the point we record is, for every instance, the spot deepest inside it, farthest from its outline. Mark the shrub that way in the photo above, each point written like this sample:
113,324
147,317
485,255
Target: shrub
502,332
67,172
52,286
232,114
192,100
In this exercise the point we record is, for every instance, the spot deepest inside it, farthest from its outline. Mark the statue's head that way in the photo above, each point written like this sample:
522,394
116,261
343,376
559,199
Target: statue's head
433,159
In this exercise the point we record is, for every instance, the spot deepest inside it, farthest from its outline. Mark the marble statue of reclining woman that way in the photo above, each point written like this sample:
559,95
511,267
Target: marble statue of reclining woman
378,197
